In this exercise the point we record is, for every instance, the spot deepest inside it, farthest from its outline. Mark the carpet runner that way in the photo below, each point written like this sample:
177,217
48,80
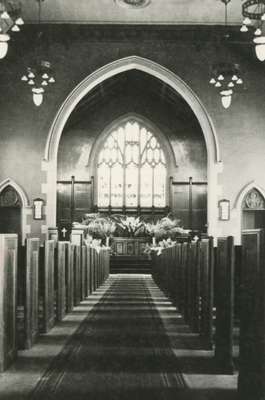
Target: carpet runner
121,351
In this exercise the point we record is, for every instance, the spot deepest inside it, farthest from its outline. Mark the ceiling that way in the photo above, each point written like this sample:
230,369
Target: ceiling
208,12
131,83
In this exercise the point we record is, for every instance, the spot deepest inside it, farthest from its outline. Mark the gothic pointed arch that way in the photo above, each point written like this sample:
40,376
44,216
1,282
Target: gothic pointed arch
126,64
13,195
10,183
134,152
253,200
163,74
250,199
163,140
251,187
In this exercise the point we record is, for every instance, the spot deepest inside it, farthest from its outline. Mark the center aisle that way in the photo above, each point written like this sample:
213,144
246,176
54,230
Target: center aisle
122,350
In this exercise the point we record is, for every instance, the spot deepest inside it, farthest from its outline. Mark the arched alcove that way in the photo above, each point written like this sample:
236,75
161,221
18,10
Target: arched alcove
162,74
14,206
248,214
253,210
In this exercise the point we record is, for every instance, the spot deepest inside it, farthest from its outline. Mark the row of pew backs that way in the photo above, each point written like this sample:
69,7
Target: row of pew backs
202,282
44,284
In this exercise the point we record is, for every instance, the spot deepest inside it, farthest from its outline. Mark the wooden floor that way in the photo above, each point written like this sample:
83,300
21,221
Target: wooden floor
132,344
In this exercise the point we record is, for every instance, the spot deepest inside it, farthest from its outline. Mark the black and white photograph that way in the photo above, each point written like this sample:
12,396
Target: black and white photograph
132,199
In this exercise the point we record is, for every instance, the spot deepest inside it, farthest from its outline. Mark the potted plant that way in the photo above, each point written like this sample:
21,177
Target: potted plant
130,226
108,227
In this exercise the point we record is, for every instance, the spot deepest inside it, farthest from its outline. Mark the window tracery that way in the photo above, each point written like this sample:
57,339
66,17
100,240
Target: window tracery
9,197
131,168
254,200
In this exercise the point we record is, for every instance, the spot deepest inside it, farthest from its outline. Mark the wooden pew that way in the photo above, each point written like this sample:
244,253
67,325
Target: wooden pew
83,272
186,279
69,276
182,277
99,268
172,273
61,280
96,269
92,270
224,275
103,265
154,258
206,260
32,292
48,295
177,266
8,300
88,266
107,264
195,287
165,271
77,275
251,379
21,296
160,268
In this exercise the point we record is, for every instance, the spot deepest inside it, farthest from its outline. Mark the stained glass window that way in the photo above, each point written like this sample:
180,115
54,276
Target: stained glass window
131,168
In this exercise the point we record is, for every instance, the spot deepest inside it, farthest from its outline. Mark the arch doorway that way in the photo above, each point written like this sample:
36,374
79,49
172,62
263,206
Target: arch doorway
253,210
11,212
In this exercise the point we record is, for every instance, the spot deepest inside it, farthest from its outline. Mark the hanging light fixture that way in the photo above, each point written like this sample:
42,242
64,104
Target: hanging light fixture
10,20
226,76
40,75
253,12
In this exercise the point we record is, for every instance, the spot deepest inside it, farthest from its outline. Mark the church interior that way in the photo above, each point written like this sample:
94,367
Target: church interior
132,199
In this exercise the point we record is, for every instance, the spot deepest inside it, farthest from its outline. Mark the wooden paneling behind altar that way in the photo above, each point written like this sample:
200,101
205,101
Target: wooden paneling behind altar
129,246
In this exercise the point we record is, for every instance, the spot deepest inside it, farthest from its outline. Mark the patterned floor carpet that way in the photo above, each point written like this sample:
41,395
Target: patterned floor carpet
123,350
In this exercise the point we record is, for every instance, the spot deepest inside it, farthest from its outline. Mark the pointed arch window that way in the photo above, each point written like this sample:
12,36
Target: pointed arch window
131,168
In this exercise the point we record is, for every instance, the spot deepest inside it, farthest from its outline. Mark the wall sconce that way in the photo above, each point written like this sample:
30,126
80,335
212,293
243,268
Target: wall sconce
224,210
38,208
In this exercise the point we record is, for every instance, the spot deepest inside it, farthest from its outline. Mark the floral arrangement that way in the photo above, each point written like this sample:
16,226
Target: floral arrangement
158,248
130,226
101,228
161,231
165,228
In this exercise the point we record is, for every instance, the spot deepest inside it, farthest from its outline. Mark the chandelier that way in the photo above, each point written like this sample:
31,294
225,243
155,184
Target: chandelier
226,75
40,75
10,20
253,12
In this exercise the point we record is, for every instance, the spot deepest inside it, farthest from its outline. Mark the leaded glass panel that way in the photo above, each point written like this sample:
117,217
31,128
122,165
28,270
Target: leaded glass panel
131,168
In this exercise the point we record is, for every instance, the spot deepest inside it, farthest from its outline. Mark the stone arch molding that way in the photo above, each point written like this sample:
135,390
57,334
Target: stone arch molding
26,209
161,73
18,188
247,188
123,65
